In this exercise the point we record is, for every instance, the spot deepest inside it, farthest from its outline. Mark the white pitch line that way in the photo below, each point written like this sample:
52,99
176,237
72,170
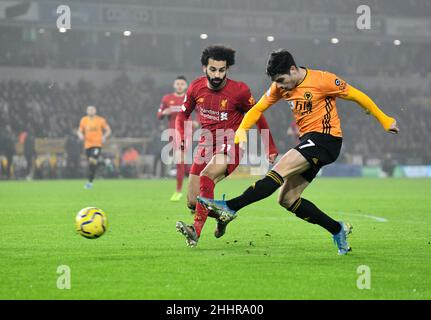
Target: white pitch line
379,219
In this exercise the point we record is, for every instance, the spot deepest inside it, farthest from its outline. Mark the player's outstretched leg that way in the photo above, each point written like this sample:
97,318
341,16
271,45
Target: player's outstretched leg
258,191
307,211
290,198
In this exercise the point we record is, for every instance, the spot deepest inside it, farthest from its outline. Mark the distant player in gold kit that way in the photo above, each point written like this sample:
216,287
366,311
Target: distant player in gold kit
311,95
93,130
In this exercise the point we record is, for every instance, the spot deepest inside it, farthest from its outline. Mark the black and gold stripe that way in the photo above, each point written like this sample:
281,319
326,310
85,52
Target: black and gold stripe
295,206
275,176
326,122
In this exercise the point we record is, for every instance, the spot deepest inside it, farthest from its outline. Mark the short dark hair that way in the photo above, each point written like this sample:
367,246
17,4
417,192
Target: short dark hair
280,61
181,77
218,52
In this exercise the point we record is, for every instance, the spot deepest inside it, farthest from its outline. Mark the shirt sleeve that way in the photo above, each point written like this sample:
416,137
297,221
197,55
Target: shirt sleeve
189,103
271,96
332,85
162,107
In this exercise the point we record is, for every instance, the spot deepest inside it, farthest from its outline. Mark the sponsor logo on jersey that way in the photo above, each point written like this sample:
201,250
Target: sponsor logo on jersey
213,114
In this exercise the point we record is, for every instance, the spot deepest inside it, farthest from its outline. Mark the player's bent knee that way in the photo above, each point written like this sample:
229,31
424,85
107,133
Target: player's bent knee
286,202
288,199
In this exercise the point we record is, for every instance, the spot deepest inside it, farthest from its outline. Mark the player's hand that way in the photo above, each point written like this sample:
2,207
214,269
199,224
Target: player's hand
394,128
166,112
272,157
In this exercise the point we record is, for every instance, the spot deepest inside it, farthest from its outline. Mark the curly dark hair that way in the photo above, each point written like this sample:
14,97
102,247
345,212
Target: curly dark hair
218,52
280,61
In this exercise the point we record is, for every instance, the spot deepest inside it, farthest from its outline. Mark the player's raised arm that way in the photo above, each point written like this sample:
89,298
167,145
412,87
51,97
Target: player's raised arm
253,115
388,123
335,86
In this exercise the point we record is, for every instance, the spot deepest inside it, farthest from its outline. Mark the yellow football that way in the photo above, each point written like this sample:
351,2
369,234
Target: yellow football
91,222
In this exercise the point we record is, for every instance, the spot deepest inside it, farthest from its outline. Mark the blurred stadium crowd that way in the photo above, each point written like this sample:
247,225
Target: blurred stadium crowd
46,110
33,110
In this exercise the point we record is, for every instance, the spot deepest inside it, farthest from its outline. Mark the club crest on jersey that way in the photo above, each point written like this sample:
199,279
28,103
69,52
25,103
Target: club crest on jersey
201,100
223,104
308,96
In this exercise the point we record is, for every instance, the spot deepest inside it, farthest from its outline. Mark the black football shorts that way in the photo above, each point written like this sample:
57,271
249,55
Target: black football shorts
320,149
93,152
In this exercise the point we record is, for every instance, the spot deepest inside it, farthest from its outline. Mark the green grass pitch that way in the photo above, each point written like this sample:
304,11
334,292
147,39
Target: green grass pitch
267,253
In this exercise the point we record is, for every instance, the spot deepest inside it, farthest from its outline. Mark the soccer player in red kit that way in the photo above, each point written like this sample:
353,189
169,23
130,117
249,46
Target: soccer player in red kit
221,103
170,107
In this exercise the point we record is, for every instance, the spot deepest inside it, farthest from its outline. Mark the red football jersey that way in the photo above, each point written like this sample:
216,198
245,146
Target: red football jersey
172,102
219,109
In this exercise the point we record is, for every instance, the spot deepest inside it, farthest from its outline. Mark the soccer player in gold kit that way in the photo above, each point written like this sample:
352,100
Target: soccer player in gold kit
311,95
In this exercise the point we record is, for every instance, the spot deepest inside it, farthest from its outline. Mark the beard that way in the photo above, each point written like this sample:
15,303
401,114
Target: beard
216,82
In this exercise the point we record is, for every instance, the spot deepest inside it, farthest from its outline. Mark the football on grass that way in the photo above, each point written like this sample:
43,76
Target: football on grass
91,222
